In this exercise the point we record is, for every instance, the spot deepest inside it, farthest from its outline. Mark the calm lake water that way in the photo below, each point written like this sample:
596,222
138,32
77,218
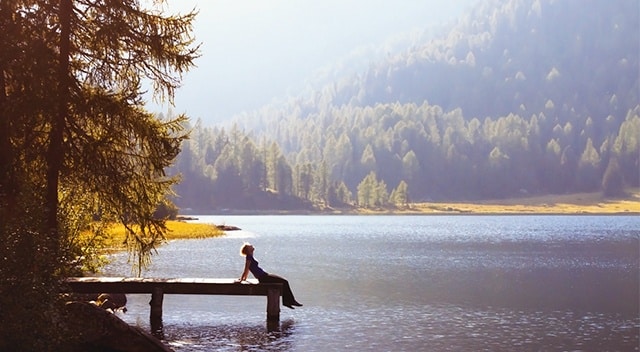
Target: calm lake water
410,283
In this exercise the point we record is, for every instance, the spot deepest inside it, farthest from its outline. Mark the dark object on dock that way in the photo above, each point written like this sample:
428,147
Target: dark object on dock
228,228
113,301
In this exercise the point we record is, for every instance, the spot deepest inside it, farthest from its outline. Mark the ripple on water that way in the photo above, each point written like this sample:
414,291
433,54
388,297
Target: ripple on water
232,337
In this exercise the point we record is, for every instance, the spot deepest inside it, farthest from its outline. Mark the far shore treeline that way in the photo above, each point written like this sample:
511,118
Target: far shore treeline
520,98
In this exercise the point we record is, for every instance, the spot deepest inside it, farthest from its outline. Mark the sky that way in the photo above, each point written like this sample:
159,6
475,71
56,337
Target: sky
255,51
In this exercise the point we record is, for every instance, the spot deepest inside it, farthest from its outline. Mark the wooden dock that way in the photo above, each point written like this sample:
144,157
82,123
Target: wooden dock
184,286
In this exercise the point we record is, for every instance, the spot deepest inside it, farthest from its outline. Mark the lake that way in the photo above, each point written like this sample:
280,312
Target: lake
410,283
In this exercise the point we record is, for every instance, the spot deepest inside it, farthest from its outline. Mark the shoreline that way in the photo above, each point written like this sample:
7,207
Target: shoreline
567,204
407,213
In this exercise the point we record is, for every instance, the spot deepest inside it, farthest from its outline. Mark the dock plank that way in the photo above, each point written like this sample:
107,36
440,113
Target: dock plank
198,286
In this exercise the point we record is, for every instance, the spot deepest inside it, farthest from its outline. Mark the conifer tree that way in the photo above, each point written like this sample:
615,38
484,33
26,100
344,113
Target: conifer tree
78,140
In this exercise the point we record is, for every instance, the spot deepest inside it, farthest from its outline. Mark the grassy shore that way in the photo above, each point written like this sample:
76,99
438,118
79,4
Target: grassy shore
176,230
580,203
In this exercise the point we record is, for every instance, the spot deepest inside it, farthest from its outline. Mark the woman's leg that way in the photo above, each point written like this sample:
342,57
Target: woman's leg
287,295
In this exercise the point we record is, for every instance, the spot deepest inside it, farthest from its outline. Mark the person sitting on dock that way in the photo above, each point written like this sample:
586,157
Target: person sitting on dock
251,265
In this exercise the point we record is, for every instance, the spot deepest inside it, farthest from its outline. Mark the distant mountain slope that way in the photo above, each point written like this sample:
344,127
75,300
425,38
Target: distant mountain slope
531,96
511,57
515,57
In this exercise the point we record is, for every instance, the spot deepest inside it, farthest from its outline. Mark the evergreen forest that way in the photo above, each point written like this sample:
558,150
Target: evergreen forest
519,97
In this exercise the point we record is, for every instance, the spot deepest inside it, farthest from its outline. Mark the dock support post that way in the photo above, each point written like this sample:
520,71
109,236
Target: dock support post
157,295
273,304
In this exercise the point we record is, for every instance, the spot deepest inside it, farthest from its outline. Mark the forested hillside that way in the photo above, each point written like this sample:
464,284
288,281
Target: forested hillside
519,97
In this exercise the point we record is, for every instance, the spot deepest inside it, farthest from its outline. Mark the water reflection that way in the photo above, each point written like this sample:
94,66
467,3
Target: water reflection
191,338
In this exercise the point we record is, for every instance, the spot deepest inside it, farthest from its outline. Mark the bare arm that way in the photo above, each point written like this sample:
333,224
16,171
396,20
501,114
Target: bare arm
245,273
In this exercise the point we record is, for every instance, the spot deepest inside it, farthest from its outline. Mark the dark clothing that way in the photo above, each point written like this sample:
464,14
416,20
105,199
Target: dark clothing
264,277
287,295
254,268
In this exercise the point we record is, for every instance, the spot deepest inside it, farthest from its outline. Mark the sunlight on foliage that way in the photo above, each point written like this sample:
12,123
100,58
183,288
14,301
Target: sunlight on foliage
114,235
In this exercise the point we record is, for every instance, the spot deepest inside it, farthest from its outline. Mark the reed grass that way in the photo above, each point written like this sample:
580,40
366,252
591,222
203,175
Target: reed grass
185,230
116,233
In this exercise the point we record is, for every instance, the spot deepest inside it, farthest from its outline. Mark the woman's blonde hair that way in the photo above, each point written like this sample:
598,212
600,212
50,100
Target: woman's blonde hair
243,249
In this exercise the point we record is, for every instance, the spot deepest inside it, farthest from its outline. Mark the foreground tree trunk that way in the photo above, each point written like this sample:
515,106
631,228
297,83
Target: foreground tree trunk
6,188
55,154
